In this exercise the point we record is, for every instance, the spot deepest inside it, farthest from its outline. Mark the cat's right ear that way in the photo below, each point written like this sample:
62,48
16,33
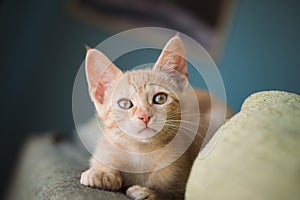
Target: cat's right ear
101,74
173,58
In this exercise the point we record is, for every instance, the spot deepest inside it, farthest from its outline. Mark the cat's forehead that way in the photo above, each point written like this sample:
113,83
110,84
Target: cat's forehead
148,77
145,80
138,78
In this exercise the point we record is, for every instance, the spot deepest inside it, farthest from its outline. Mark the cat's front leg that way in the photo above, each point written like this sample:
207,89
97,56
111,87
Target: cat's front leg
137,192
102,177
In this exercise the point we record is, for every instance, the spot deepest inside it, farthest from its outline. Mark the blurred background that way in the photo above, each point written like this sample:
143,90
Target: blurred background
254,43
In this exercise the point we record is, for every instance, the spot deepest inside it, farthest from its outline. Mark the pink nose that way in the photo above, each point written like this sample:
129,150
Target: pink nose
145,118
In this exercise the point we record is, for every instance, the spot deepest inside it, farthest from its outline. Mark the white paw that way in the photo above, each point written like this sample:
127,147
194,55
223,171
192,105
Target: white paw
100,179
137,192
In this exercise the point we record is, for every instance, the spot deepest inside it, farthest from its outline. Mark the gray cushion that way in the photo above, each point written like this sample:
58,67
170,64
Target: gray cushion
51,169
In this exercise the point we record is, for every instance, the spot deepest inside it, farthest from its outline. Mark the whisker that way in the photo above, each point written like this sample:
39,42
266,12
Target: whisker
183,121
185,132
197,142
201,126
188,123
187,128
188,114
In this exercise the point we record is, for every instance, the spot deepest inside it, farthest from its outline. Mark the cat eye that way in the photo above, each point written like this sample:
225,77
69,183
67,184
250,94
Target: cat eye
160,98
125,104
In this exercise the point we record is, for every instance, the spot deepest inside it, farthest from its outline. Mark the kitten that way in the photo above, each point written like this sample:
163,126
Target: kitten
141,113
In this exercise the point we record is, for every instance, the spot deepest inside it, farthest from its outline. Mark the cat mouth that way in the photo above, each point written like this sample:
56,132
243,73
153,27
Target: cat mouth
147,130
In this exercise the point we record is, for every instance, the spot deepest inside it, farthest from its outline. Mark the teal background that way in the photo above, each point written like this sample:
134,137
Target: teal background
262,49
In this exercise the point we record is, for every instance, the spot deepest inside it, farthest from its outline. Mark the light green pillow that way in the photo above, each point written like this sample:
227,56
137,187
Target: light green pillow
257,154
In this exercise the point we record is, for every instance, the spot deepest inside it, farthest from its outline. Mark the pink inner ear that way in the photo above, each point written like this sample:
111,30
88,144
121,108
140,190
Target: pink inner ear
105,83
101,74
99,93
173,57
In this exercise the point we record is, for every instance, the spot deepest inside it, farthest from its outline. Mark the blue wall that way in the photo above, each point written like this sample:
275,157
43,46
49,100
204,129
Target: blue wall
262,51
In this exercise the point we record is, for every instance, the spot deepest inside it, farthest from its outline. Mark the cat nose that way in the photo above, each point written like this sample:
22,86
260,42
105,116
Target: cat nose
145,118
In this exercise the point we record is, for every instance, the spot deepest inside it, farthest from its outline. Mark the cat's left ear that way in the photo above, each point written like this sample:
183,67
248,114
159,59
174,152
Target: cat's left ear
101,74
173,58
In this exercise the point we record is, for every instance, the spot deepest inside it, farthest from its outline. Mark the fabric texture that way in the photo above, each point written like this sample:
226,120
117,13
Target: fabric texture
257,153
51,169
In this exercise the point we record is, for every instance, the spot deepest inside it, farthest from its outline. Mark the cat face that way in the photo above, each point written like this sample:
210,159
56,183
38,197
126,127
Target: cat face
141,103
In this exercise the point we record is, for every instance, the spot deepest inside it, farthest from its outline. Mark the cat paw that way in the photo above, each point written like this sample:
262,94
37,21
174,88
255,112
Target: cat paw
137,192
102,180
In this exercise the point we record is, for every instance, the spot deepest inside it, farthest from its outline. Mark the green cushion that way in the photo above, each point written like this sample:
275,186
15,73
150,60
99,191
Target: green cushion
257,154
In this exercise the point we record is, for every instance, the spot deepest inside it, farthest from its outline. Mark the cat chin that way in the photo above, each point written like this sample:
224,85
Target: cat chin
147,131
144,134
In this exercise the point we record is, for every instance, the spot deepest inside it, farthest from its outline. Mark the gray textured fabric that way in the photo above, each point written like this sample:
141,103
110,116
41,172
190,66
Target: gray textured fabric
51,169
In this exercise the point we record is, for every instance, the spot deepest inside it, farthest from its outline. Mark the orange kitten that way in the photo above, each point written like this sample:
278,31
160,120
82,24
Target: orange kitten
149,134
